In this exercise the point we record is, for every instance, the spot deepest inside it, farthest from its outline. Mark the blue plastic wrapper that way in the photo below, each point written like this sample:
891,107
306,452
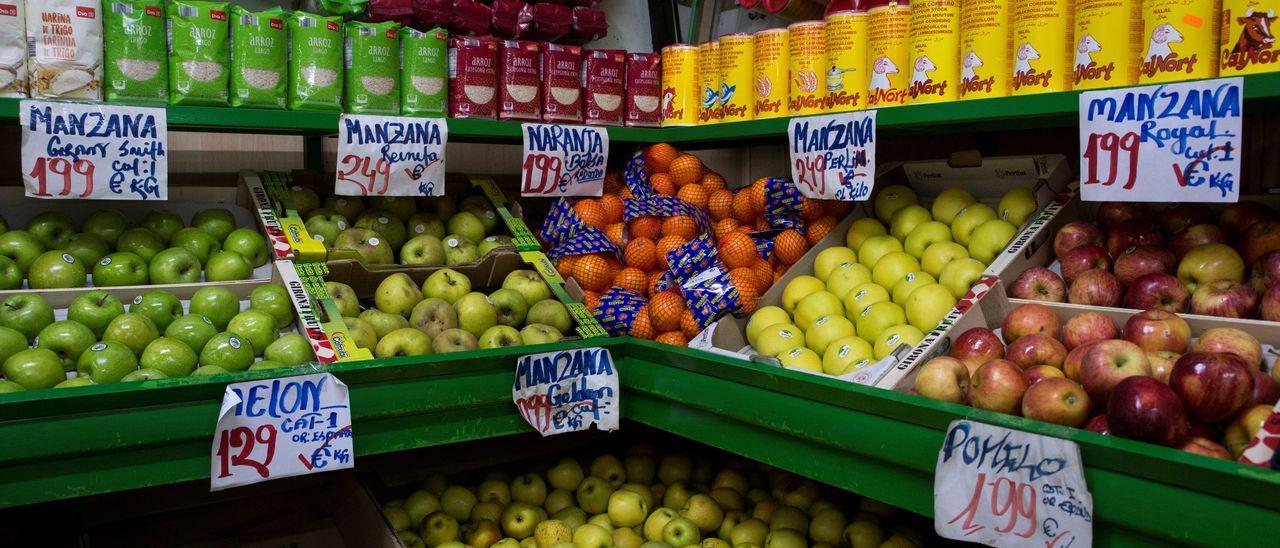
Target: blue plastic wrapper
709,294
764,242
666,206
617,310
636,177
692,257
584,242
561,222
783,204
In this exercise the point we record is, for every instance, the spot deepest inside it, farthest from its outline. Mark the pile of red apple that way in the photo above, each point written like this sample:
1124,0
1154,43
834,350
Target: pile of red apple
1181,259
1145,380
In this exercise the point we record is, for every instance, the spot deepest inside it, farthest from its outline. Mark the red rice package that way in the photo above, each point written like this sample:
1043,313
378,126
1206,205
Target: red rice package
644,90
605,83
473,77
519,96
400,11
432,13
561,83
551,21
512,18
470,18
588,24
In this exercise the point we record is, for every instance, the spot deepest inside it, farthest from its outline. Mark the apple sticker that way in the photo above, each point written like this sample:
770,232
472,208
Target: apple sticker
865,310
342,201
786,334
98,347
822,320
137,300
105,261
206,320
318,237
373,241
295,187
419,229
234,342
892,340
384,220
795,352
844,350
342,225
68,258
453,242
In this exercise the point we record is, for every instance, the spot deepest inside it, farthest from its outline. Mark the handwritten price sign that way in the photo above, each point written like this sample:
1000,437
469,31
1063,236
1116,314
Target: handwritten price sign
94,151
390,156
567,391
1167,143
834,156
563,160
277,428
1003,487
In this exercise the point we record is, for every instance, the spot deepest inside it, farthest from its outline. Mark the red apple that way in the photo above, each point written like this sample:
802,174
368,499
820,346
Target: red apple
1261,238
976,347
1184,240
1113,213
1265,389
1143,408
1238,217
1075,359
1271,304
1206,447
1179,216
1039,284
1095,288
943,379
1212,385
1030,318
1139,261
1082,258
1157,290
1157,330
1075,234
1109,362
1226,299
1037,373
1162,364
1036,349
1088,327
1265,272
1133,233
1231,341
1056,400
998,386
1098,425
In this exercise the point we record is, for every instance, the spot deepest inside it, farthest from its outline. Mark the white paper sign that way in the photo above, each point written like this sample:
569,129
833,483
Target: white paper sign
563,160
833,156
281,427
1004,487
94,151
567,391
1165,143
390,156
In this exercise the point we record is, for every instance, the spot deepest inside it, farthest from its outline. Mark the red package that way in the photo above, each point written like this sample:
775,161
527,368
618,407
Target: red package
551,21
512,18
588,24
519,95
400,11
470,18
473,77
605,86
561,83
644,90
432,13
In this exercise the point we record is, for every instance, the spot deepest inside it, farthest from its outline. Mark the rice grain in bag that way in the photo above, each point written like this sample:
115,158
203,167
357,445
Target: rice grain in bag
373,68
199,52
424,76
137,59
644,90
473,77
561,83
604,86
521,76
64,49
13,50
259,58
315,62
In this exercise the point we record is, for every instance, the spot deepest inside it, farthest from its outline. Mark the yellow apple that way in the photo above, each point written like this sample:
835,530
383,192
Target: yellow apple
826,330
892,198
892,267
829,258
968,219
924,235
779,338
891,338
1017,205
990,238
799,288
862,296
817,305
875,247
938,255
908,283
846,355
762,318
878,317
926,306
950,202
958,276
847,276
907,219
801,358
861,229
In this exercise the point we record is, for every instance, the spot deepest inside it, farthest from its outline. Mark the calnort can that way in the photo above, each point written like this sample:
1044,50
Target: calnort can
772,62
1042,46
935,51
1180,40
888,53
737,95
986,42
709,111
680,85
1247,45
808,45
1108,36
846,77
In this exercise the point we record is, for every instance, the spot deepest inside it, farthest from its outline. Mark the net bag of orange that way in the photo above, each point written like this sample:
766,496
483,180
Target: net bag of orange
618,311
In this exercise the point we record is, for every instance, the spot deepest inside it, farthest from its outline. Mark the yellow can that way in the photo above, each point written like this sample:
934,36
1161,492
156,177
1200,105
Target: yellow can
1108,32
737,97
808,44
935,51
679,85
1179,40
1247,44
888,52
772,61
985,44
1042,46
709,111
846,77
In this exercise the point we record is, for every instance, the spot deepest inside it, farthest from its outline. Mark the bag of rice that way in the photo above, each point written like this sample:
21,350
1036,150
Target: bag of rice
199,52
424,74
64,46
520,81
13,51
473,77
315,62
137,63
259,58
561,83
605,86
373,66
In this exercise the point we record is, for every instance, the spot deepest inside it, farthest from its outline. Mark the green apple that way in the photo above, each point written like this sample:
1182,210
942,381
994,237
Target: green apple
383,322
20,246
457,501
912,281
566,474
345,297
108,224
9,387
302,199
362,245
892,198
161,307
520,518
163,223
361,333
817,305
405,341
274,300
198,241
593,494
798,289
10,274
863,533
141,242
878,317
120,268
500,336
55,269
560,504
420,504
438,528
644,465
249,244
627,508
831,257
892,267
511,306
779,338
846,276
1017,205
446,284
132,330
193,330
218,222
549,312
11,342
703,511
144,375
846,355
592,536
467,225
529,488
400,206
785,538
206,370
397,294
68,339
537,333
968,219
423,250
476,313
490,243
950,202
927,306
959,275
87,248
750,532
764,317
827,330
267,364
106,362
34,368
459,250
26,313
75,382
860,230
385,224
290,349
789,517
94,310
258,327
227,351
432,316
216,303
656,522
347,206
876,247
990,238
681,531
325,228
889,339
608,468
493,490
169,356
907,219
53,229
425,224
454,340
924,235
939,254
482,208
801,358
528,284
175,265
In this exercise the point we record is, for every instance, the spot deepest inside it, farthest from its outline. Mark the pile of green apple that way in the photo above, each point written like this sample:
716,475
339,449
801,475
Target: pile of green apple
445,315
401,230
103,343
644,500
52,251
891,284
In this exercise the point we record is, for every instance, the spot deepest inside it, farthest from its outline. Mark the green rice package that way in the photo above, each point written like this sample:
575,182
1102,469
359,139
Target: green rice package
315,62
373,66
424,72
259,58
136,60
199,52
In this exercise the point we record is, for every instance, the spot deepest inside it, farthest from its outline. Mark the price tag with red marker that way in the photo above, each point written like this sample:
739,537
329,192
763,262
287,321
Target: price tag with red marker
94,151
281,427
390,156
833,156
563,160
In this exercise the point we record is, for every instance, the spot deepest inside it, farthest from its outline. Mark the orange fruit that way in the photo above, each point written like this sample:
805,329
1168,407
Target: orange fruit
811,209
757,195
631,278
746,229
645,227
625,194
673,338
663,185
593,272
565,264
747,293
747,276
640,327
720,203
591,300
837,208
686,169
694,194
713,181
614,233
762,224
725,226
764,274
789,246
680,225
738,250
666,245
612,182
658,157
665,309
779,270
819,228
641,253
689,325
742,208
654,277
612,206
591,212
